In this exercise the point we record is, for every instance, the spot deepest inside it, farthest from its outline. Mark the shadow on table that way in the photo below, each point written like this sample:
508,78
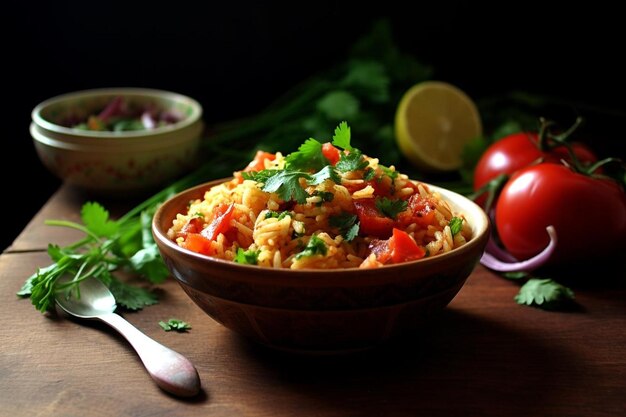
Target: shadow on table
459,365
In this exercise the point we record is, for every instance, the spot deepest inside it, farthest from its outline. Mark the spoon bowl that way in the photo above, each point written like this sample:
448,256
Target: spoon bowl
171,371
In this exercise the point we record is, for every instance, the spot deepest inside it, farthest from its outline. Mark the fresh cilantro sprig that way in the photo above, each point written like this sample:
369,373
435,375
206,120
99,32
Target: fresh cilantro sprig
353,161
544,293
108,245
347,224
391,208
175,324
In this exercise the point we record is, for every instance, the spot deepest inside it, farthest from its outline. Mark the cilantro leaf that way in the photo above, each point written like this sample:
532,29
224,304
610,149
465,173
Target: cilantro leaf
96,219
324,195
175,324
148,262
287,185
456,223
248,257
544,293
369,174
389,172
130,297
328,172
314,247
391,208
347,224
308,157
353,161
341,137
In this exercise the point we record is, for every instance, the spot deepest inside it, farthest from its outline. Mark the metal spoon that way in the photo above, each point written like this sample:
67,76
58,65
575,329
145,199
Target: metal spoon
170,370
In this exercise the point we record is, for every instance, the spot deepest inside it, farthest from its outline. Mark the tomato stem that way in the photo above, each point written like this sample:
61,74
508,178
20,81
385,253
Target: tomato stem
492,188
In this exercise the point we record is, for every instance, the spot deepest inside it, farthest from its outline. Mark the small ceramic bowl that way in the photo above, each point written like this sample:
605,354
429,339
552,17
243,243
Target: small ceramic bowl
106,161
321,311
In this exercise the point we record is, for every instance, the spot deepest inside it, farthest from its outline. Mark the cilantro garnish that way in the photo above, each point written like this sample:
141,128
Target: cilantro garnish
274,214
456,223
107,246
314,247
352,161
175,324
341,138
369,174
248,257
544,293
347,224
308,157
389,172
324,195
391,208
287,185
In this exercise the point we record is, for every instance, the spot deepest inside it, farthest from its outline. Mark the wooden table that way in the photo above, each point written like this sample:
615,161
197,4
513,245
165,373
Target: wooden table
483,356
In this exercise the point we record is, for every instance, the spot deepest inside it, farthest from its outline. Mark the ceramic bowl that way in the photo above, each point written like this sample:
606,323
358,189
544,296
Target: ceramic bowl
110,162
321,310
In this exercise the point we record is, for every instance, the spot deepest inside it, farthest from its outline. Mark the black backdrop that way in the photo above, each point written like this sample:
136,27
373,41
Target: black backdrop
235,57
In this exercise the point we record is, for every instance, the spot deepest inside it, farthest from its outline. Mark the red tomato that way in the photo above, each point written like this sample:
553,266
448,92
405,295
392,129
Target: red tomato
589,214
519,150
403,247
197,243
420,211
331,153
258,163
220,222
372,223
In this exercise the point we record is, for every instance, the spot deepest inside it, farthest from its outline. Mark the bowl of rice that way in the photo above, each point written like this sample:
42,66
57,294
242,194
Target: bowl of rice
322,250
113,140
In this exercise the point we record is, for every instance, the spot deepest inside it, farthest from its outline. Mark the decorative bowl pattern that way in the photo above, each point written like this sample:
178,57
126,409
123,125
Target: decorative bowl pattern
321,310
109,162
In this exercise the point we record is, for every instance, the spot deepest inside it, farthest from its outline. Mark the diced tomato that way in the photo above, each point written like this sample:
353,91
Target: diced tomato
382,186
220,222
331,153
371,221
258,163
420,210
403,248
197,243
194,225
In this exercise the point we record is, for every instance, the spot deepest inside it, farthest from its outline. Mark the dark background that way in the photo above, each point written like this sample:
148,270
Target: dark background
235,57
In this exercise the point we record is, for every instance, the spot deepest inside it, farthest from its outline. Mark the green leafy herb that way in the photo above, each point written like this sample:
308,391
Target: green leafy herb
247,257
316,246
352,161
389,172
175,324
347,224
369,174
287,185
326,196
326,173
456,223
544,293
341,138
308,157
391,208
96,220
276,215
131,297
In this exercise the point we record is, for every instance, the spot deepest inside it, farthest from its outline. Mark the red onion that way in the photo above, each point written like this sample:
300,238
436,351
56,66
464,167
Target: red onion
499,260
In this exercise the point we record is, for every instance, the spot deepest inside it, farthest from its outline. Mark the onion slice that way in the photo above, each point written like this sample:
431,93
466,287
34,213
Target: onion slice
493,256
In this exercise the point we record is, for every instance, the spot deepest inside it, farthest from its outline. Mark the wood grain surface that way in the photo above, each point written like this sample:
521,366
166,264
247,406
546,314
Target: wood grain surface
483,356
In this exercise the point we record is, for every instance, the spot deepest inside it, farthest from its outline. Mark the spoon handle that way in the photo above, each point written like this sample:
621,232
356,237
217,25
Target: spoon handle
171,371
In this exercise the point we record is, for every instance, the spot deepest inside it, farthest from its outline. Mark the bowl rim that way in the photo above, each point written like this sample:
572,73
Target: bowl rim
195,115
479,238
